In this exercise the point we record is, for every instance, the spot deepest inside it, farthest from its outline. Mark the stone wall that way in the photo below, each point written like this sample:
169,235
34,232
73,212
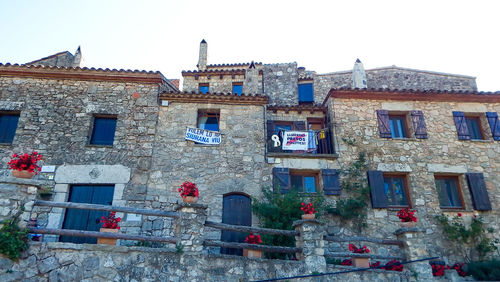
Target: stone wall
280,83
71,262
420,160
224,84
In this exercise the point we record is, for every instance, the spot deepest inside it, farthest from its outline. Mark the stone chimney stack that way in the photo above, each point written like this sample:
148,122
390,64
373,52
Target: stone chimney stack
77,59
251,85
202,61
358,75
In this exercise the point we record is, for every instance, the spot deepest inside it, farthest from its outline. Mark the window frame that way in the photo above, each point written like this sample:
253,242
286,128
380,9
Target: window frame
11,113
200,85
478,119
92,129
459,191
208,113
304,173
305,82
404,117
237,84
406,188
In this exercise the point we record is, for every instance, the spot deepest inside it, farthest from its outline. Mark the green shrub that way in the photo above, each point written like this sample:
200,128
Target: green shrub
485,271
13,239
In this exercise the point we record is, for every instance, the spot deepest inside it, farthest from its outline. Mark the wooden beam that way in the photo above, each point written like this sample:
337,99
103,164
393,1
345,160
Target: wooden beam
241,228
82,206
364,239
264,248
353,255
95,234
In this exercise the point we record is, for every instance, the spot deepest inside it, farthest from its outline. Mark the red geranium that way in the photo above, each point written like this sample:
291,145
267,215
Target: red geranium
394,265
110,221
438,269
253,239
346,262
459,268
25,162
356,250
407,215
308,209
188,189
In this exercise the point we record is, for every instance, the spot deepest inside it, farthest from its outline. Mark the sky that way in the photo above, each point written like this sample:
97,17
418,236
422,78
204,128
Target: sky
459,37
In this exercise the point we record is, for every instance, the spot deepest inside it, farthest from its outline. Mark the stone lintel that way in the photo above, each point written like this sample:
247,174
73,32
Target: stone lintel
444,168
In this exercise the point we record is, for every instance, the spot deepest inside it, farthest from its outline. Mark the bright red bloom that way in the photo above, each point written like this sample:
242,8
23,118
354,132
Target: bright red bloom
308,209
394,265
361,250
346,262
25,162
188,189
110,221
253,239
459,214
407,215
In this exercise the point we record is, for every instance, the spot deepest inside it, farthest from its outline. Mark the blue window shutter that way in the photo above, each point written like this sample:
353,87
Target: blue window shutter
383,123
306,93
461,125
477,188
494,125
8,127
377,192
417,118
103,132
281,179
331,181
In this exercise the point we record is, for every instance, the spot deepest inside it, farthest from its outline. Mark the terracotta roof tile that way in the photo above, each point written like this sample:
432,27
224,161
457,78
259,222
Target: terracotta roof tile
232,65
220,98
297,108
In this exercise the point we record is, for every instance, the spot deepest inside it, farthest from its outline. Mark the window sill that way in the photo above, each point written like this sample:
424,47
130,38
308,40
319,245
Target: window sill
98,146
6,144
479,140
452,209
304,155
403,139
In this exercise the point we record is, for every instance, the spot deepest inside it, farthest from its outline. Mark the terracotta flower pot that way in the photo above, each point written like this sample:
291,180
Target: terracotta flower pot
308,216
361,262
107,241
252,253
190,199
409,224
23,174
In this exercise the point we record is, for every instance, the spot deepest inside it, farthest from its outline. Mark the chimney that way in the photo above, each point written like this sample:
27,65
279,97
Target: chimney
358,75
77,59
251,85
202,60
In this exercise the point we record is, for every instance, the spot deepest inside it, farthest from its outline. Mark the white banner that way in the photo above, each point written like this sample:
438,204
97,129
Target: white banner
295,140
203,136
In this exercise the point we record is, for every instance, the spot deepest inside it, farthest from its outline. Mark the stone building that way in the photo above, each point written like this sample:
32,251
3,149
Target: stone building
120,137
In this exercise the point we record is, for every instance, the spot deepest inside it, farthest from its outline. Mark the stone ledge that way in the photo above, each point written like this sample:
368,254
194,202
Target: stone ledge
305,156
190,205
310,221
28,182
98,247
407,230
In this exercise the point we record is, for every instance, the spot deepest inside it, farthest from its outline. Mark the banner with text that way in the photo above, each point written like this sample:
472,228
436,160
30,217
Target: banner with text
295,140
203,136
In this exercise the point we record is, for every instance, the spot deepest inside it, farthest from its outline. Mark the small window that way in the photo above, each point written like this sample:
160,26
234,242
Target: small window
449,192
8,127
304,182
474,126
282,126
103,132
208,120
397,124
204,88
306,94
237,88
396,191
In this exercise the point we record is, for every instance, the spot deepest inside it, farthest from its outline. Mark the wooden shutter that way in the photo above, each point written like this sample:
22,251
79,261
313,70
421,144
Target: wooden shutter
383,123
417,118
477,188
461,124
494,125
377,192
331,183
281,179
299,125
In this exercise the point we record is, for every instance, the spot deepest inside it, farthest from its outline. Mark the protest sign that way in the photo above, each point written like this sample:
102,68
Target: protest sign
203,136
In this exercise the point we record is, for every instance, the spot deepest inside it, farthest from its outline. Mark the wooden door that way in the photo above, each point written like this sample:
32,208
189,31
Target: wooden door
85,219
236,210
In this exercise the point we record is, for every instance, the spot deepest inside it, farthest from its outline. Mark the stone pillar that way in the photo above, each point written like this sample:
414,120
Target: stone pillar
312,243
189,227
203,58
413,249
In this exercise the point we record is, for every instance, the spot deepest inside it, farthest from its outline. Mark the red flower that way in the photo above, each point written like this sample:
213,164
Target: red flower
459,214
346,262
25,162
188,189
253,239
307,209
407,215
361,250
110,221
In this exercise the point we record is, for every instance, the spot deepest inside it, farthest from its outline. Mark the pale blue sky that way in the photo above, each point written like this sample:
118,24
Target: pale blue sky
459,37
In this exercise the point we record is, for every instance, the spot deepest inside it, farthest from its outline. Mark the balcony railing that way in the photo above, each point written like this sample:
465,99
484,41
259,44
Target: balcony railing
323,140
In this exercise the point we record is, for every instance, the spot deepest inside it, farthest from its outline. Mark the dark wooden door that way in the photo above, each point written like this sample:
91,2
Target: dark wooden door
85,219
236,210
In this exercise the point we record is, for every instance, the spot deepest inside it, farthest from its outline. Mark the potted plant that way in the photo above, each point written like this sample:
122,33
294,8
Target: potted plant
25,165
189,192
252,239
109,224
407,217
309,212
357,261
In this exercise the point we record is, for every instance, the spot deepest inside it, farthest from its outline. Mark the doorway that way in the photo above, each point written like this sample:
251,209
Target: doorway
236,210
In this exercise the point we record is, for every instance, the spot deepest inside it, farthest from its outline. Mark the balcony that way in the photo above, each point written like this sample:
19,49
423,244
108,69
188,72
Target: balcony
322,138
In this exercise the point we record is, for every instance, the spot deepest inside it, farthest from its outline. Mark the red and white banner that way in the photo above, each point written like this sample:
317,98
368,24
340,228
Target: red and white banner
295,140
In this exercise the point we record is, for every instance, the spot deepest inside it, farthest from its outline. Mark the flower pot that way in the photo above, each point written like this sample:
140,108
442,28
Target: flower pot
252,253
190,199
408,224
107,241
23,174
361,262
308,216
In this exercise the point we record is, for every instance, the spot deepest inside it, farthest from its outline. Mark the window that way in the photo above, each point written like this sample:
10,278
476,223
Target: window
306,94
395,125
8,126
208,120
204,88
469,126
474,126
304,181
103,132
237,88
395,189
449,192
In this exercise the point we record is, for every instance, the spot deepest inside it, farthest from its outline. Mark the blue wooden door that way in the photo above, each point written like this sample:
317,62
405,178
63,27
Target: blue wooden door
85,219
236,210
